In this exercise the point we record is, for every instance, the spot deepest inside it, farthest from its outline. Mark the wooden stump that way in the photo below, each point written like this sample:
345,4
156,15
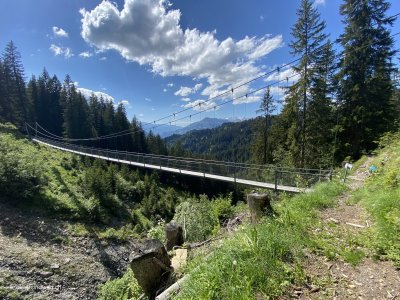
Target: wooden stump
174,235
259,205
150,265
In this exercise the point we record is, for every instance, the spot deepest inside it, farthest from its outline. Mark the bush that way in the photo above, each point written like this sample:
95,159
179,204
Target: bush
197,217
222,208
123,288
21,168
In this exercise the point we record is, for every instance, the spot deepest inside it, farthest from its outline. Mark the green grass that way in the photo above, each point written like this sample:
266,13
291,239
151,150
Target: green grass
261,261
381,197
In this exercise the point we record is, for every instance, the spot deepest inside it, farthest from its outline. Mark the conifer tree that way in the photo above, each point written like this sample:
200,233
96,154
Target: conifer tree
308,38
262,146
13,72
365,85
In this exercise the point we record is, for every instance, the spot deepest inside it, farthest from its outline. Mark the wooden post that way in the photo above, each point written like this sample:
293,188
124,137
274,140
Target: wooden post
174,235
259,205
151,266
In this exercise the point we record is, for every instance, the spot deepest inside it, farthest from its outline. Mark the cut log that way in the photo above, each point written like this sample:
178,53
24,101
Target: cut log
174,235
151,266
259,205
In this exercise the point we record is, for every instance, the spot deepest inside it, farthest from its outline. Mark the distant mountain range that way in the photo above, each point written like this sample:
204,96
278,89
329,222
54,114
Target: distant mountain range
207,123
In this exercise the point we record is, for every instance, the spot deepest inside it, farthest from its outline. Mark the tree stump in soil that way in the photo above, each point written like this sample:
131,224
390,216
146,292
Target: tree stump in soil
259,205
174,235
151,266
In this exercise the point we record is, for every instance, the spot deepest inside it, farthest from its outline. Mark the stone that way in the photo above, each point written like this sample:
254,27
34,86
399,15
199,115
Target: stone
174,235
151,266
259,205
180,259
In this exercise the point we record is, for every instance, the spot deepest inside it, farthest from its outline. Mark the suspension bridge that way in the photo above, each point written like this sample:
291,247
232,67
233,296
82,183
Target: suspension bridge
261,176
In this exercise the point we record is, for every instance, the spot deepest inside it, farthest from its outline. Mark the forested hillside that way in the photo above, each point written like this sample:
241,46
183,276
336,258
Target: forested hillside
228,142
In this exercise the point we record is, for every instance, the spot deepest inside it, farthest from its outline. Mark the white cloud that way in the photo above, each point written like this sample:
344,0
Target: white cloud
87,93
284,75
186,91
103,58
261,18
170,84
186,99
59,32
147,99
201,105
85,54
165,90
149,32
319,2
62,51
124,103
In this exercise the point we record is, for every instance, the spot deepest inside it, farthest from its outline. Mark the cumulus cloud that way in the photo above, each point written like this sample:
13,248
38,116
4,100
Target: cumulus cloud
124,103
287,74
149,32
201,105
87,93
59,32
186,91
61,51
85,54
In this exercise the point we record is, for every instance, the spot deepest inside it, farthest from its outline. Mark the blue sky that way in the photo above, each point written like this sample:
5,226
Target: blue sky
160,57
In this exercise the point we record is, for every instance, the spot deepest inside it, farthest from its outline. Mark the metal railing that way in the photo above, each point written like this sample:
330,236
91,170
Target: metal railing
269,176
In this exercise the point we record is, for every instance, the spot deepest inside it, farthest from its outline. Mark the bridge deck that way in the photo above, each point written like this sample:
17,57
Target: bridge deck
258,184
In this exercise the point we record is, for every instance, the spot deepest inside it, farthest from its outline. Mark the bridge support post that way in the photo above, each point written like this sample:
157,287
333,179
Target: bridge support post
276,179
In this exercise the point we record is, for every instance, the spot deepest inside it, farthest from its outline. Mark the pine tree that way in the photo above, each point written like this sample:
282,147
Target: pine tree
308,37
262,144
365,85
13,71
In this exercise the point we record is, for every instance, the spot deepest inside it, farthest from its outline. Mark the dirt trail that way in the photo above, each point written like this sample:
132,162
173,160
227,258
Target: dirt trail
40,259
336,279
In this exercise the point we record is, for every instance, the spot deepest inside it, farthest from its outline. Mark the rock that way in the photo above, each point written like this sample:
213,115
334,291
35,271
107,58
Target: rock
174,235
314,289
151,266
180,259
45,274
55,266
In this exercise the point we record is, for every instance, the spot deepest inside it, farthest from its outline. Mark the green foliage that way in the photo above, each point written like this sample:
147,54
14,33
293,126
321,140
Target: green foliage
365,84
223,208
261,261
123,288
381,198
157,231
21,168
197,217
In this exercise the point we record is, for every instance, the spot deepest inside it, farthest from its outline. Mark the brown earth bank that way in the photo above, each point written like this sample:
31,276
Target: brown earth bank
41,259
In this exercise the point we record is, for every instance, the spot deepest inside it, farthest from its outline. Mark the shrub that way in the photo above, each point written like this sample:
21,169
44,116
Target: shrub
21,168
123,288
197,218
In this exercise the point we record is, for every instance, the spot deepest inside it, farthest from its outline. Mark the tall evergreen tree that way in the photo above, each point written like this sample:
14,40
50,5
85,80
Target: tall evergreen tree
365,85
13,71
308,37
262,143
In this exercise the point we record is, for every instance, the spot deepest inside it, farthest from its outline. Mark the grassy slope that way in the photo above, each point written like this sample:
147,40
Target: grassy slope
381,197
265,260
60,193
262,260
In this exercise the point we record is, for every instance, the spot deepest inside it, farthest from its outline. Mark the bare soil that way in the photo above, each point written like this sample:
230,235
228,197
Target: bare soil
40,259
